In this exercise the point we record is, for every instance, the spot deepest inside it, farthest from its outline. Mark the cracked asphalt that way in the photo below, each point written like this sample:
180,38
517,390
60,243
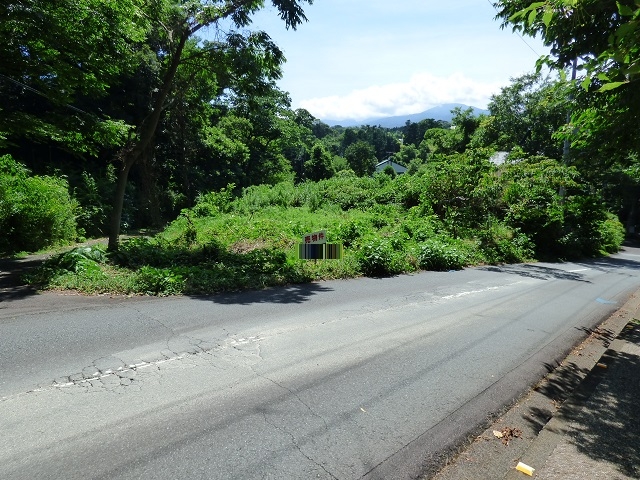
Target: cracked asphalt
368,378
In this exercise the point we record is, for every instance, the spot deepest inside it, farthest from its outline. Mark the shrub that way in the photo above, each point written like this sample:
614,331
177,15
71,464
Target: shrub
160,281
212,203
378,257
93,211
81,262
437,255
611,234
589,229
347,233
375,257
35,212
501,244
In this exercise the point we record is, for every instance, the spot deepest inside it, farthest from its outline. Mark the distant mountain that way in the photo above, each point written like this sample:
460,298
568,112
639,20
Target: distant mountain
441,112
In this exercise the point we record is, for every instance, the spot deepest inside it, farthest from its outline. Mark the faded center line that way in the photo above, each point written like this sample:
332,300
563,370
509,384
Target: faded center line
482,290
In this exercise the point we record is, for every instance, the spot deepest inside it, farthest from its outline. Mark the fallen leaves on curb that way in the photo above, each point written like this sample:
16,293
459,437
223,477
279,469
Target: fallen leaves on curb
507,434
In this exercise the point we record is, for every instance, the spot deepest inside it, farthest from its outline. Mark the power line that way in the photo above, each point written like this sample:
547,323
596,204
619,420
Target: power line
519,36
42,94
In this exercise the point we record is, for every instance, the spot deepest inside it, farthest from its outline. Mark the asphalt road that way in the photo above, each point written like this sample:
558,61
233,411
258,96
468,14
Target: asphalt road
367,378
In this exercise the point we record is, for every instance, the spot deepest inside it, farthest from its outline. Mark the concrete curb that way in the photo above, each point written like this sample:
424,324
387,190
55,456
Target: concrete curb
597,359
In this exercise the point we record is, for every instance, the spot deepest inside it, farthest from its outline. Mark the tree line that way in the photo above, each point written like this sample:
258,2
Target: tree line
139,108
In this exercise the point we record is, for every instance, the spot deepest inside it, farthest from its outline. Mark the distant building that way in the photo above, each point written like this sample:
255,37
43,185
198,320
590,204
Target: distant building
499,158
390,163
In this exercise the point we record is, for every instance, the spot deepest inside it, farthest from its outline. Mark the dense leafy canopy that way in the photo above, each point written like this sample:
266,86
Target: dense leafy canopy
603,34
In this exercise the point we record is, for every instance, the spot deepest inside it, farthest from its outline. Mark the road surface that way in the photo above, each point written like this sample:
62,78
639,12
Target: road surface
366,378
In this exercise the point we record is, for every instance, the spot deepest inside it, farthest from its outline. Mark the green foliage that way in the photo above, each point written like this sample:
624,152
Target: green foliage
413,133
80,262
441,141
388,170
502,244
589,229
212,203
35,211
611,234
93,210
379,257
85,260
319,166
604,35
42,43
459,211
348,233
361,158
525,115
159,281
437,254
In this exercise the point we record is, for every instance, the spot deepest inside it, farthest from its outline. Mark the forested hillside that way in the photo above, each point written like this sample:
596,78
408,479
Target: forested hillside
117,116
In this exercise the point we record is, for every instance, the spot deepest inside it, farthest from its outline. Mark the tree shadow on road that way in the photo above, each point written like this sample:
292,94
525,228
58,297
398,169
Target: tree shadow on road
12,287
601,418
608,263
297,293
557,387
537,272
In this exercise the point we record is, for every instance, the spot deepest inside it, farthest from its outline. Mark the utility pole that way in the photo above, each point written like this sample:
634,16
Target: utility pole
567,142
566,150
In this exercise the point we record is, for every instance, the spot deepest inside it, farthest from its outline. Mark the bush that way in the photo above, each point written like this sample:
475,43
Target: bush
79,262
35,212
437,255
94,211
375,258
501,244
347,233
381,257
611,234
212,203
589,229
160,281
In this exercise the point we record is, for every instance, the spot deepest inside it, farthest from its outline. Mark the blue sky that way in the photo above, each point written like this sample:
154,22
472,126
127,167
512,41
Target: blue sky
357,59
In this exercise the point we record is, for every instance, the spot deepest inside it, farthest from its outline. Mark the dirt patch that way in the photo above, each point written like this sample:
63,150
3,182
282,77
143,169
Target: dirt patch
245,246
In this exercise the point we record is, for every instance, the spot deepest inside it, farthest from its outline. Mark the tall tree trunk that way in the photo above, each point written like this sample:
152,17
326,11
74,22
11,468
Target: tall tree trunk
149,190
147,132
633,214
116,214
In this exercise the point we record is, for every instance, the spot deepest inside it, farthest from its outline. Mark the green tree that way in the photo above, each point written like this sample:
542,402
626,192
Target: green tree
35,211
251,62
440,141
54,55
465,123
413,133
319,166
407,155
601,40
526,114
361,157
603,34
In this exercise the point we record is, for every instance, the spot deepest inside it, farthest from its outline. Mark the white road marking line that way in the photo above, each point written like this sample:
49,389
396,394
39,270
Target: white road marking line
471,292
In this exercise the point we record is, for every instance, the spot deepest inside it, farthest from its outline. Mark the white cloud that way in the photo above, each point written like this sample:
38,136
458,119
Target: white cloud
420,93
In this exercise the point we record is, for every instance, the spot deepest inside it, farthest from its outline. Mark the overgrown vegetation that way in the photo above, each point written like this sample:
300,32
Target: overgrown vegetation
162,128
459,211
35,211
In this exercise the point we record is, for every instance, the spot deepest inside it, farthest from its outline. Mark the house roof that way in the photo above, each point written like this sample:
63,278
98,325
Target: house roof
388,162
